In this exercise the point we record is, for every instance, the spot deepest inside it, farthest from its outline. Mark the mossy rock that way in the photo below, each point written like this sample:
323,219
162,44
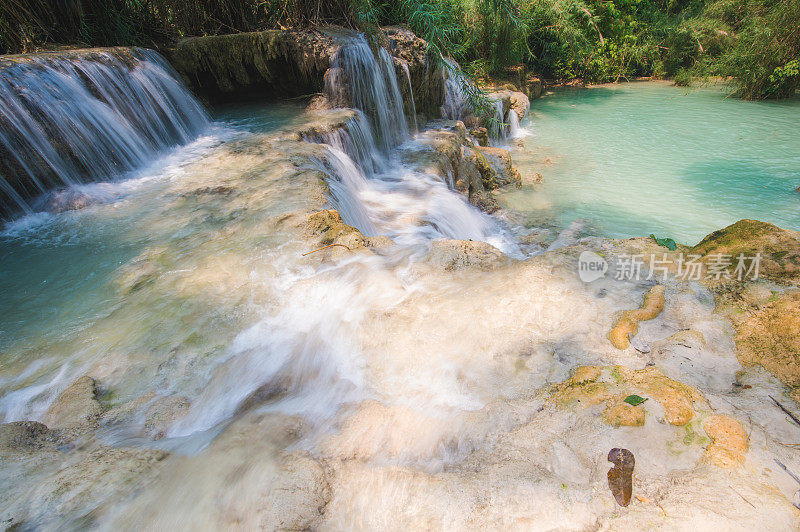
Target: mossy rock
779,248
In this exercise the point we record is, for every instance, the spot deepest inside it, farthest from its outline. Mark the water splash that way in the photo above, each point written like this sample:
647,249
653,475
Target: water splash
77,117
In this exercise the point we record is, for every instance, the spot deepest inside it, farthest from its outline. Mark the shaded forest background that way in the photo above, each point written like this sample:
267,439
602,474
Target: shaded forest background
755,42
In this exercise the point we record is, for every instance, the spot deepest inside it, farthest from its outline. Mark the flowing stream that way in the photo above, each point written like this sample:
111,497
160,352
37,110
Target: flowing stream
185,288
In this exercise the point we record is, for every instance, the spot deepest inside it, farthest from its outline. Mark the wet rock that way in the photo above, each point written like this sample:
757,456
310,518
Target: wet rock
500,161
729,441
623,414
454,255
219,190
322,126
66,200
103,474
427,82
379,242
163,413
22,436
779,248
297,499
77,405
481,135
329,227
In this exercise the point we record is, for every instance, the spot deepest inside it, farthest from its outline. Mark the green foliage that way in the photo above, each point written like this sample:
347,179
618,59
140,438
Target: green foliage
683,78
763,57
634,400
666,242
755,42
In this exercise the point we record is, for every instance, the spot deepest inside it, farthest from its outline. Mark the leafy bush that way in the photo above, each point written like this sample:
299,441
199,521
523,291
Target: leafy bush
755,42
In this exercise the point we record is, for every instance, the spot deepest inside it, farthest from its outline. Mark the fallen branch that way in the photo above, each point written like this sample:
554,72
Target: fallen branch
787,470
742,496
326,247
786,411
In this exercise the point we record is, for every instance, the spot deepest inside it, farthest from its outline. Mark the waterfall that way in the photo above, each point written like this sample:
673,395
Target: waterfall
515,130
85,116
407,72
371,84
456,105
371,188
455,101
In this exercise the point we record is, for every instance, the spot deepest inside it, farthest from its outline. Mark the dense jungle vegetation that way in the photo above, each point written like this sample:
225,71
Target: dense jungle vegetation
755,42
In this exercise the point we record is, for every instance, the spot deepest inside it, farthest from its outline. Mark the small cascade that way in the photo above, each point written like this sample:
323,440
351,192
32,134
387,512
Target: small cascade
456,105
77,117
407,72
369,79
497,126
515,130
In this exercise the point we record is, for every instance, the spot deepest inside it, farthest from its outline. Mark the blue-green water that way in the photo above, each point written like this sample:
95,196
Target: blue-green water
647,157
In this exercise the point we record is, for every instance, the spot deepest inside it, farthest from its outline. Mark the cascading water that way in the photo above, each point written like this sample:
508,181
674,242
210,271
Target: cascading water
371,84
378,194
456,104
78,117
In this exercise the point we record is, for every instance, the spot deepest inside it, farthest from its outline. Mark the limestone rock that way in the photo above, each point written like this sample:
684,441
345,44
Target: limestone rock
328,225
163,412
678,399
729,441
461,254
77,405
593,385
103,474
628,323
25,436
263,65
534,87
427,82
520,104
779,248
298,499
623,414
500,161
770,336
